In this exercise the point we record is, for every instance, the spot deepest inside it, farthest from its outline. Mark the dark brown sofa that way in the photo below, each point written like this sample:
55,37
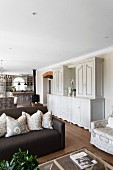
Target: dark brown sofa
38,143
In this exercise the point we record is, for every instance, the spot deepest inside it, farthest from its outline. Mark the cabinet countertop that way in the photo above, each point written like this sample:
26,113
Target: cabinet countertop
62,95
22,93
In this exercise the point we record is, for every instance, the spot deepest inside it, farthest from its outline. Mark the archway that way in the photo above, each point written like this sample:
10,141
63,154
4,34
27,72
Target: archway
48,74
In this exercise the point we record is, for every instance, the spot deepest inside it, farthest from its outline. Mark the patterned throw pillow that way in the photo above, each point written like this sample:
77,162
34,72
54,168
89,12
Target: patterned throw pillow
3,128
47,120
16,127
34,121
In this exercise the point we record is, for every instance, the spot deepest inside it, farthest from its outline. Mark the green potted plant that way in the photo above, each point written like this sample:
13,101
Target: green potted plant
20,161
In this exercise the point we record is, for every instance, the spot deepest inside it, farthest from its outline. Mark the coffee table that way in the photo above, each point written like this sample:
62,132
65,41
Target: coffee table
65,163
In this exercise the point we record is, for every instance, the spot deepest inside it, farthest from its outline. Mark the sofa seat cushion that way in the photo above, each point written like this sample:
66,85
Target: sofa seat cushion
104,132
38,143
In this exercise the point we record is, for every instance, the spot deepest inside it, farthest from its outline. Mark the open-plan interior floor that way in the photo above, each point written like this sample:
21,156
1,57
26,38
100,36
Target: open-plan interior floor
76,138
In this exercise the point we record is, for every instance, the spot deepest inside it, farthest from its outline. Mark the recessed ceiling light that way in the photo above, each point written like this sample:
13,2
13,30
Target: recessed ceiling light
34,13
10,48
106,37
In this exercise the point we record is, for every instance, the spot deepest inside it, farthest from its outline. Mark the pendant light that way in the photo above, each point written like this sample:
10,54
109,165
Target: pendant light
19,83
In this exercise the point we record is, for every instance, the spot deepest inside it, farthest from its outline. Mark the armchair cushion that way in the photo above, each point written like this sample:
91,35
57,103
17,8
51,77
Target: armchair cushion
104,133
99,123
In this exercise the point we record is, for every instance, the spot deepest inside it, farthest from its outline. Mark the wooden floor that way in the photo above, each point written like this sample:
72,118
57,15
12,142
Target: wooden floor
76,138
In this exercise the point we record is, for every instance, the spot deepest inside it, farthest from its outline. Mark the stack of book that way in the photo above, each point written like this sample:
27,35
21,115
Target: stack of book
83,160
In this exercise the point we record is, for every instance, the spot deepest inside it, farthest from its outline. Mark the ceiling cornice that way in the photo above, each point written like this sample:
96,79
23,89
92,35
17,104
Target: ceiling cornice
93,54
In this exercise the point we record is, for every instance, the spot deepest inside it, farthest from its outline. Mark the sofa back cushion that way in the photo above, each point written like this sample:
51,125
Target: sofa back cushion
34,121
16,127
47,120
3,128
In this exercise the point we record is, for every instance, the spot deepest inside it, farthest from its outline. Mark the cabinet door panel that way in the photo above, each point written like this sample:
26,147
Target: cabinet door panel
60,81
85,79
85,113
49,103
79,79
75,112
89,77
55,82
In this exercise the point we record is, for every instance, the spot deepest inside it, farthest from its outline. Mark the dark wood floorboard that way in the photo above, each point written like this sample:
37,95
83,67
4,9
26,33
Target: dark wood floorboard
76,138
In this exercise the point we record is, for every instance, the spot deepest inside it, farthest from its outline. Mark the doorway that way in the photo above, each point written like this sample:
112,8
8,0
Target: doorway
47,85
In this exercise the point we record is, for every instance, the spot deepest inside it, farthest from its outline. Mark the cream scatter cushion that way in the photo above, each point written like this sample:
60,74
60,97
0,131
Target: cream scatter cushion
3,128
47,120
34,121
110,122
16,127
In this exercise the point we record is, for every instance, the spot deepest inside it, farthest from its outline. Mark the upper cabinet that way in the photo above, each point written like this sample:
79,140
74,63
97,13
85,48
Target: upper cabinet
89,78
58,80
62,77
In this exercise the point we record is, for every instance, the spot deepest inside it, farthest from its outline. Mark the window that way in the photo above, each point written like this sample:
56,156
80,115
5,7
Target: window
16,84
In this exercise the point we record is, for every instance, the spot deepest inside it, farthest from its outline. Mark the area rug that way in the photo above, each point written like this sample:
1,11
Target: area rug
64,162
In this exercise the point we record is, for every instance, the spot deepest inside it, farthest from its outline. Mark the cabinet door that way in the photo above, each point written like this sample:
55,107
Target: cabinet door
50,102
85,79
85,113
55,81
75,111
80,80
89,79
55,105
60,81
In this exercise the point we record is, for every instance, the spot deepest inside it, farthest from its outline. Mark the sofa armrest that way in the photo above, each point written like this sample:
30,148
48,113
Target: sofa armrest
99,123
60,127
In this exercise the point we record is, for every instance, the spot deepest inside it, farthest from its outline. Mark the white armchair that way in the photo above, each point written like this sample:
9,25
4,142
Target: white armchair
102,134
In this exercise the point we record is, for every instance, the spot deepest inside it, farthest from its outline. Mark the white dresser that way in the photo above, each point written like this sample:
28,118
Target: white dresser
76,110
89,103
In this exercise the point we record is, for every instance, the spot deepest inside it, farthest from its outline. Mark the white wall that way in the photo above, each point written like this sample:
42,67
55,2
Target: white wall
45,90
108,82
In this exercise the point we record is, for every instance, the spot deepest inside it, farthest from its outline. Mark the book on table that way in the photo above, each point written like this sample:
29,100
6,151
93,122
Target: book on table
83,160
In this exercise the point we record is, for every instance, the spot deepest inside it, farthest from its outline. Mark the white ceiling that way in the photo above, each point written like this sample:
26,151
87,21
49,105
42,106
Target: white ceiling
61,30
